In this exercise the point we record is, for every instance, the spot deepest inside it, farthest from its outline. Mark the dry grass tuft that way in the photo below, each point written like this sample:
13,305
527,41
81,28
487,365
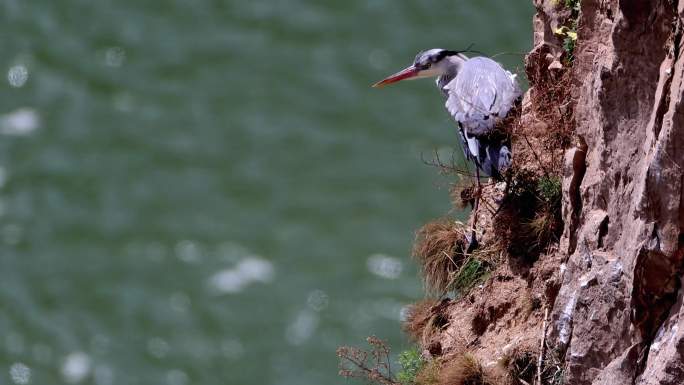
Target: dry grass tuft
530,219
553,368
463,370
418,317
429,374
520,366
440,252
544,228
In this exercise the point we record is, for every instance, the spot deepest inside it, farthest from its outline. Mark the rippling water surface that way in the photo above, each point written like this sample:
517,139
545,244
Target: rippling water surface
209,192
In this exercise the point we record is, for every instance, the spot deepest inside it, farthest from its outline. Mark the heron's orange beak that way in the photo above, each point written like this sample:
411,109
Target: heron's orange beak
408,73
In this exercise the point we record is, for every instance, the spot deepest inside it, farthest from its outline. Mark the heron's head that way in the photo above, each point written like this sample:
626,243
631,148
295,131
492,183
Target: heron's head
430,63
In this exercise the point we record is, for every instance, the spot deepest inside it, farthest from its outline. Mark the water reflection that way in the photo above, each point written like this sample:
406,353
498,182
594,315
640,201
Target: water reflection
302,328
76,367
249,270
20,373
17,76
21,122
385,266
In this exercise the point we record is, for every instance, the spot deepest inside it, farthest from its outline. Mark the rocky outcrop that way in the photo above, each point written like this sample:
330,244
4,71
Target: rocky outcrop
619,312
604,304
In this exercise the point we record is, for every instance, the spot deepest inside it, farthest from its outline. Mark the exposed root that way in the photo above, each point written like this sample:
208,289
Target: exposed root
463,194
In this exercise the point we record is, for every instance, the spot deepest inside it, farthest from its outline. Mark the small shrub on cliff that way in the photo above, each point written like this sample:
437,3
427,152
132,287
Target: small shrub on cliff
547,223
569,35
572,4
372,365
411,364
530,218
550,189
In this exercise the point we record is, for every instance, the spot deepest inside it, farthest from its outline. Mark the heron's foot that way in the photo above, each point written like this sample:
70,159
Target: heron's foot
471,242
501,192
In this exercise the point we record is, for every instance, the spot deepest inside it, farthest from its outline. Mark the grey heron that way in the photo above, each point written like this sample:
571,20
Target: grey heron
479,92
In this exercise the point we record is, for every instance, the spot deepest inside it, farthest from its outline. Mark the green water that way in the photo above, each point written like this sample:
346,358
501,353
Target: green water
209,192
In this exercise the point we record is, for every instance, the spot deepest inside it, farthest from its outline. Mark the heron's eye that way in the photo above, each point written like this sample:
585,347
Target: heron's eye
424,65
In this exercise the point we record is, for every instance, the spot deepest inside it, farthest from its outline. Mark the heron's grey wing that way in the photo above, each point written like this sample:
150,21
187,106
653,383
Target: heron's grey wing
481,92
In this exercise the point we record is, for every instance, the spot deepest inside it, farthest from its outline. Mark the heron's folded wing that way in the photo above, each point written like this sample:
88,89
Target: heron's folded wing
481,92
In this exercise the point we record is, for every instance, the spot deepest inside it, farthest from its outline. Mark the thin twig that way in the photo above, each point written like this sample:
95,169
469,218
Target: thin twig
541,347
536,156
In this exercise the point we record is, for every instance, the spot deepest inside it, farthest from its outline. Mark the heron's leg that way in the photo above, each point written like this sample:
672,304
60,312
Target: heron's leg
472,241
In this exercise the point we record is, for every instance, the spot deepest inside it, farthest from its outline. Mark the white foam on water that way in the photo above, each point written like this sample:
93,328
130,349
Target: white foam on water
404,313
17,75
302,328
384,266
76,367
20,373
247,271
21,122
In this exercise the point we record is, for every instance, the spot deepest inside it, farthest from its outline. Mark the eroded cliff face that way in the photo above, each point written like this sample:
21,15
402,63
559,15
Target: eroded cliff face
588,291
610,289
619,312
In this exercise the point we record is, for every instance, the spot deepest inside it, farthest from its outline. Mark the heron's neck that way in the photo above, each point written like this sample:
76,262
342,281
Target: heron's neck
452,64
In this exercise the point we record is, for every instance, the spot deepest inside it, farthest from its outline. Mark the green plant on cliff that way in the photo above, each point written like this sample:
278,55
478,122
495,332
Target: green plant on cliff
550,189
572,4
569,35
473,272
568,32
411,364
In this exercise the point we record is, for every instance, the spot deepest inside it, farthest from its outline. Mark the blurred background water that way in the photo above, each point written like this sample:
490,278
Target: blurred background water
209,192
